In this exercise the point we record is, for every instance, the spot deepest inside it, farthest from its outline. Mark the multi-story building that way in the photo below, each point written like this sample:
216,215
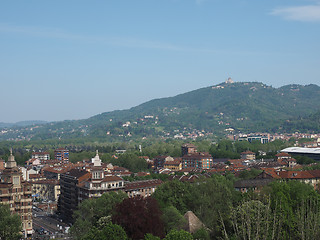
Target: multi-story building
174,164
188,148
69,191
42,156
2,164
55,171
46,189
248,155
77,185
100,183
158,162
61,155
142,188
15,192
197,160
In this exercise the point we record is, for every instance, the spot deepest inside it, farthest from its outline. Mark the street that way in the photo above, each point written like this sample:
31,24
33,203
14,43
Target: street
47,227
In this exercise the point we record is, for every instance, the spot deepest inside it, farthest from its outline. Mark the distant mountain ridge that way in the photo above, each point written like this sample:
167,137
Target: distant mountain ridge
239,106
21,123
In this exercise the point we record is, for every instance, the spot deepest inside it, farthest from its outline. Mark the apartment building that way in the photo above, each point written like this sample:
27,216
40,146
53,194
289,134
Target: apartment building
16,192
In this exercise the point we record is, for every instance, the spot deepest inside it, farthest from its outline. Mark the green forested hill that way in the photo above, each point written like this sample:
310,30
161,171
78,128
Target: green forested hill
243,106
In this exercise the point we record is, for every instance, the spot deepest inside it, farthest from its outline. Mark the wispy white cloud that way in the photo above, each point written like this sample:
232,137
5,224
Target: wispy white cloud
307,13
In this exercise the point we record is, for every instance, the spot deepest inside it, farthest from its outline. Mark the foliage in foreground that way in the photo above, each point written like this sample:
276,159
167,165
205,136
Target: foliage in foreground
92,211
139,216
109,231
10,225
281,210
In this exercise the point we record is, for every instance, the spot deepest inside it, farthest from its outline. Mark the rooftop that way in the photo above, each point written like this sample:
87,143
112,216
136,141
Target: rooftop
301,150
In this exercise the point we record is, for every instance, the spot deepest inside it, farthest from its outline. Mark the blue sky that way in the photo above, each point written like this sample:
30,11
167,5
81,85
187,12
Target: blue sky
75,59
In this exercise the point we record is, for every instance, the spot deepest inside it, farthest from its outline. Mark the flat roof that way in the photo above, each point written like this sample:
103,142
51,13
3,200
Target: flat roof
301,150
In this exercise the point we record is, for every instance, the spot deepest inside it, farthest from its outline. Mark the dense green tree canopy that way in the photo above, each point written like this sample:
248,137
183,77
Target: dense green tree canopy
10,225
109,231
92,210
178,235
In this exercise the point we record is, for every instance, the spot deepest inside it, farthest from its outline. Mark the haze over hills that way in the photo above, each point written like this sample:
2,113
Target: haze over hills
21,123
242,106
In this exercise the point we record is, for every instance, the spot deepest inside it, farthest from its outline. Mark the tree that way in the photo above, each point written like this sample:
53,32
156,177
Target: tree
294,205
178,235
252,220
10,225
139,216
91,210
109,231
149,236
212,202
172,219
174,193
201,234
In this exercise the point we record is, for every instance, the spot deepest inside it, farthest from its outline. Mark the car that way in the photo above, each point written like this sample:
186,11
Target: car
39,230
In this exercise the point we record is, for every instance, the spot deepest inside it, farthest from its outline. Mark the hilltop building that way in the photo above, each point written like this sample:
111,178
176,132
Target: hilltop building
15,192
229,80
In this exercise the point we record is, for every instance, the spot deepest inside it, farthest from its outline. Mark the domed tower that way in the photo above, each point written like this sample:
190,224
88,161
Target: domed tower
97,170
11,174
15,192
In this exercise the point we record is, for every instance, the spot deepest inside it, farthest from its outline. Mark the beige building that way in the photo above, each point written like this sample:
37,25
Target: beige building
15,192
142,188
174,164
248,155
48,189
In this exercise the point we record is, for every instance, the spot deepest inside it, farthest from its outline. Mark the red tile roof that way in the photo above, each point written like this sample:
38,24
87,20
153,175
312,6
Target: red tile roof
283,154
247,152
142,184
296,175
112,179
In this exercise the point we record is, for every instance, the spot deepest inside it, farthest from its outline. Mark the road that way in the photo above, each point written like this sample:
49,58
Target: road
52,226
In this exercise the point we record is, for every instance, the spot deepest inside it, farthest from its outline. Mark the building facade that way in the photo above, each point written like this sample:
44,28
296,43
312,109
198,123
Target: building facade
188,149
46,189
142,188
16,192
42,156
248,155
99,182
61,155
69,191
197,160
